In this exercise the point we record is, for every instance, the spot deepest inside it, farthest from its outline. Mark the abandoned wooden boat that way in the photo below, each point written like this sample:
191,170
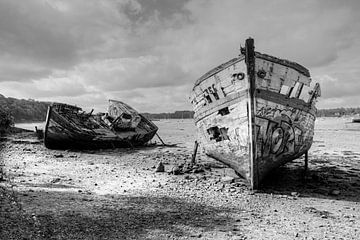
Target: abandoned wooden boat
68,127
255,113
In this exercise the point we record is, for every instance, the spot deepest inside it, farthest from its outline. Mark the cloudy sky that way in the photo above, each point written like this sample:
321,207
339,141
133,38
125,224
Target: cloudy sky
148,53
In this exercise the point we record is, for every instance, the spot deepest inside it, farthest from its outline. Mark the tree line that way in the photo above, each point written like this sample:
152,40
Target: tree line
338,112
14,110
174,115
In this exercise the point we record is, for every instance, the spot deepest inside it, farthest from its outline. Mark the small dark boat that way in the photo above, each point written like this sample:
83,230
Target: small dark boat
255,112
356,120
68,127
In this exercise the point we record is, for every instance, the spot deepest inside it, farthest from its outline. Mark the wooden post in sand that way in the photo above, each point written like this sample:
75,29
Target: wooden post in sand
306,162
194,153
2,173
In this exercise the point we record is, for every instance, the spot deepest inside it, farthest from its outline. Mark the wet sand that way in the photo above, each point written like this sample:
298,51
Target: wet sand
116,194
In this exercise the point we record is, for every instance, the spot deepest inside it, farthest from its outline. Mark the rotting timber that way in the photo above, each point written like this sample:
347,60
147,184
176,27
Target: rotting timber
255,112
68,127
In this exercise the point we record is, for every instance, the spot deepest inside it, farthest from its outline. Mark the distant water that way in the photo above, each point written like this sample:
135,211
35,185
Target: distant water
30,126
337,134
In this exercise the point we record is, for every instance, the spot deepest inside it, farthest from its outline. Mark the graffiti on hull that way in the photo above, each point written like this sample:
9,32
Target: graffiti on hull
279,132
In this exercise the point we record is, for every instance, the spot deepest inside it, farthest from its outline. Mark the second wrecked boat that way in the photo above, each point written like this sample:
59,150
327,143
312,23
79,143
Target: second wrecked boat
68,127
254,114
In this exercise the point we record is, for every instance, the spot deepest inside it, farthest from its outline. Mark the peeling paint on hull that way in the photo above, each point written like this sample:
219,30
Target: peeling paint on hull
255,118
73,130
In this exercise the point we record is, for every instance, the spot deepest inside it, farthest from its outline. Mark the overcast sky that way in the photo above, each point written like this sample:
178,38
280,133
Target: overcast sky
149,53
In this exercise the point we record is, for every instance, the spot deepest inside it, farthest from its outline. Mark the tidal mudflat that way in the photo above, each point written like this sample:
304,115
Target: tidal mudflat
117,193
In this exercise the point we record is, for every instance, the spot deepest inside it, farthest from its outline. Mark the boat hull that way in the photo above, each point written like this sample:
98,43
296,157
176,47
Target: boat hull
226,137
282,134
222,120
62,133
252,114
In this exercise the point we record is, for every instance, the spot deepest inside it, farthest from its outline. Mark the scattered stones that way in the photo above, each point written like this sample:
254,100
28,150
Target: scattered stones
187,168
2,174
55,180
334,192
232,190
319,213
198,170
185,210
227,179
295,194
175,170
160,167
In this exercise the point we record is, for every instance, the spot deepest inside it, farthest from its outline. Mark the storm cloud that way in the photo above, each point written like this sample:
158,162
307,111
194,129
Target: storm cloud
149,52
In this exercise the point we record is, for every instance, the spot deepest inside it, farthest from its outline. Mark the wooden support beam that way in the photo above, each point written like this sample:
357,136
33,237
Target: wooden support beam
160,139
196,145
2,172
250,63
306,162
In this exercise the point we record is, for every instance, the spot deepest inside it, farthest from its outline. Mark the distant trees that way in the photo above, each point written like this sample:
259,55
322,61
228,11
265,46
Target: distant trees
174,115
6,121
338,112
335,112
23,110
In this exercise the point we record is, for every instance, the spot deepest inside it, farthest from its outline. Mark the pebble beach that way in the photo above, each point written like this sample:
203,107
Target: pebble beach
121,194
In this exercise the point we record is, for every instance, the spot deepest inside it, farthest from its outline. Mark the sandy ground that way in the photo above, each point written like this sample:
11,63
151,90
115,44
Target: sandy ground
116,194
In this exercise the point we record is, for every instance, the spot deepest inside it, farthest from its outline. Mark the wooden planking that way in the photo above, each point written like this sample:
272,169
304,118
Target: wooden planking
278,75
66,130
283,134
221,103
284,63
286,101
233,94
217,69
233,151
223,83
251,71
292,119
